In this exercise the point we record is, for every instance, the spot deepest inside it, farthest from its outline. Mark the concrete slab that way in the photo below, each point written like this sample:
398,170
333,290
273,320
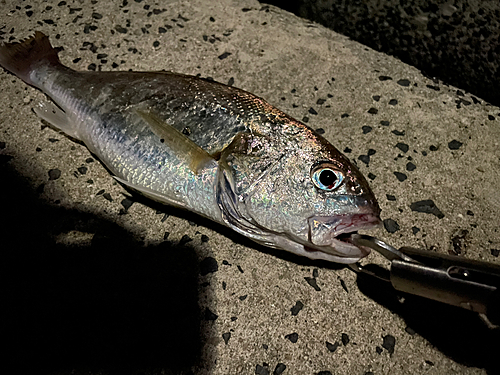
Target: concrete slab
458,41
101,282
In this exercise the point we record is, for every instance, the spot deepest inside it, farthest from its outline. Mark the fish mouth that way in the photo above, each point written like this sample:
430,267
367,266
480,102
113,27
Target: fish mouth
331,236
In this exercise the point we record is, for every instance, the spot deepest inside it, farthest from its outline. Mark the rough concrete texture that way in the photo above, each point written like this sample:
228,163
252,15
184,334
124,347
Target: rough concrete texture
454,40
98,281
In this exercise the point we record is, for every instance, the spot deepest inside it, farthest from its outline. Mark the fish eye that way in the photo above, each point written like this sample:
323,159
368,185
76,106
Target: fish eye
326,177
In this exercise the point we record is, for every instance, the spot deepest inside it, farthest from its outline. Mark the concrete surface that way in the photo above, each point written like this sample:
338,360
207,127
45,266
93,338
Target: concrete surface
457,41
99,282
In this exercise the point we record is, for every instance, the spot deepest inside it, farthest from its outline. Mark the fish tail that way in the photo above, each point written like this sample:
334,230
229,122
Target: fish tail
22,58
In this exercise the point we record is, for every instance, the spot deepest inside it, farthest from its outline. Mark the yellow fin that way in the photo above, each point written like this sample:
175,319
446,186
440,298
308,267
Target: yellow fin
184,148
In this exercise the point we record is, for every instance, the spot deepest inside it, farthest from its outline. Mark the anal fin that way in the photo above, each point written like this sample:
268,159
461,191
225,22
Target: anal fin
55,116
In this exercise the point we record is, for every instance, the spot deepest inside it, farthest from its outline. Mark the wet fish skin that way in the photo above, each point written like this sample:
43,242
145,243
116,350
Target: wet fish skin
213,149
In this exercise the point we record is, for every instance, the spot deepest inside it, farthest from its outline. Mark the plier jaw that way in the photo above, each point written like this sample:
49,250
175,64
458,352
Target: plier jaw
469,284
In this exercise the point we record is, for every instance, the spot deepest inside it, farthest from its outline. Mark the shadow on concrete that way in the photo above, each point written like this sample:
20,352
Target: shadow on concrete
457,333
119,307
114,306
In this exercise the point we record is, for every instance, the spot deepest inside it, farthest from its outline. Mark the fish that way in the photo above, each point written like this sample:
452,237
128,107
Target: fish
209,148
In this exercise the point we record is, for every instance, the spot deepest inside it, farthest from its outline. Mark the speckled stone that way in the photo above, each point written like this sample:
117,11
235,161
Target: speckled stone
427,206
391,226
389,343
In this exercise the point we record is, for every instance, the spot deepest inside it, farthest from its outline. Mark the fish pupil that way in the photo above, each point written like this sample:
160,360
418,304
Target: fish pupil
327,177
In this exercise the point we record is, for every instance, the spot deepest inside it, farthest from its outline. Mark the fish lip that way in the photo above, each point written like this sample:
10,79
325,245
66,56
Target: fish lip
333,234
324,229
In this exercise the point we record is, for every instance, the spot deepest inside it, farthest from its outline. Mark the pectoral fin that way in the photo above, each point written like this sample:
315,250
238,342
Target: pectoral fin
183,148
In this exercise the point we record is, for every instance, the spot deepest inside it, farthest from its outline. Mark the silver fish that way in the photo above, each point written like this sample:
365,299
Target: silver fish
209,148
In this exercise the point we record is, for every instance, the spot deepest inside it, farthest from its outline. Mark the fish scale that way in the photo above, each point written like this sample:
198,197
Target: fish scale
213,149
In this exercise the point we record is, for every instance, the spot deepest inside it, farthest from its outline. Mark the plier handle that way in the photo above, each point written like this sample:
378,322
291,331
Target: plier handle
470,284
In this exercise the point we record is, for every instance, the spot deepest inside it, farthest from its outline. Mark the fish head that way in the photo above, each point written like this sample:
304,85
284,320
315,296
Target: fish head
304,197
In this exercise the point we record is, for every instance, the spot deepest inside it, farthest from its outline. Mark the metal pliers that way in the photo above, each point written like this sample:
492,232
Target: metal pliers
469,284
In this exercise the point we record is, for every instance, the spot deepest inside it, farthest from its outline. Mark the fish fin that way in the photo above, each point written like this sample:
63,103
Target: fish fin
183,148
55,116
21,58
228,204
151,194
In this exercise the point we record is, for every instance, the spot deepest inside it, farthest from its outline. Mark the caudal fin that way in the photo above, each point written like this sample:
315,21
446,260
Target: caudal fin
21,58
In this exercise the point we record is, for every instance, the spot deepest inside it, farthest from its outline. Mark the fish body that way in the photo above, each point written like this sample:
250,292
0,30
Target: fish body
209,148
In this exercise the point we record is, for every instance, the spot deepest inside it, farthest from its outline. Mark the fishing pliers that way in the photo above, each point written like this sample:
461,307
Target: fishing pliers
470,284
